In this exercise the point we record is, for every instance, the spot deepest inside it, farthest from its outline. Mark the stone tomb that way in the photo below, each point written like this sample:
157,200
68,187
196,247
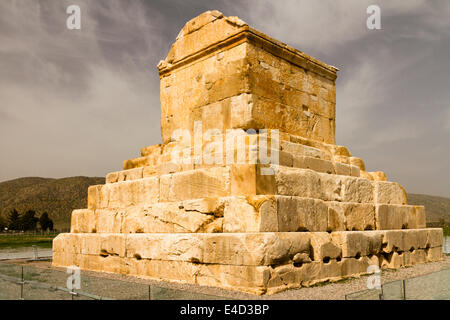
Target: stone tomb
320,216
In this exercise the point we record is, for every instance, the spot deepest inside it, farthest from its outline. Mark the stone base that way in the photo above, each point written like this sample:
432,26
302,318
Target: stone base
257,263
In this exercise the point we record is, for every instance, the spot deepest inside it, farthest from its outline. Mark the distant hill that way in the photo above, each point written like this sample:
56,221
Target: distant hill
435,207
56,196
60,196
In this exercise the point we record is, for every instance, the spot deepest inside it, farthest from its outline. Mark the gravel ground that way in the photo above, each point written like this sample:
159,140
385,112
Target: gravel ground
126,287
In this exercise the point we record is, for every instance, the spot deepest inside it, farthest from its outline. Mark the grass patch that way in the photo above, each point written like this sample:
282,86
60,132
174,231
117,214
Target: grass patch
26,240
446,231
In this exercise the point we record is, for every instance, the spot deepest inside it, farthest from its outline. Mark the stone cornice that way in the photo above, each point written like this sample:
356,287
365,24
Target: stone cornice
250,35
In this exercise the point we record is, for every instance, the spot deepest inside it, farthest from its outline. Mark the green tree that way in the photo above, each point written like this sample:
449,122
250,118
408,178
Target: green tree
45,222
14,220
3,223
29,221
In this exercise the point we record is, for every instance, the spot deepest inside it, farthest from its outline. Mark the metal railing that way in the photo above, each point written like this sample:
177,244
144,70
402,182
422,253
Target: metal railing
39,285
19,282
446,245
33,233
432,286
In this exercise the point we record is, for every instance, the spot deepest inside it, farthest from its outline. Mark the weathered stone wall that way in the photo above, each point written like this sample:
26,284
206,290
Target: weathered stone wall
246,80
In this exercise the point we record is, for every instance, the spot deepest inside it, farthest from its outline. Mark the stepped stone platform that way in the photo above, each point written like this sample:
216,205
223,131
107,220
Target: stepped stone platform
248,190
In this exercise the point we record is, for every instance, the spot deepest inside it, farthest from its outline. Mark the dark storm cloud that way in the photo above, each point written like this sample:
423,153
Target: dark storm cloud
80,102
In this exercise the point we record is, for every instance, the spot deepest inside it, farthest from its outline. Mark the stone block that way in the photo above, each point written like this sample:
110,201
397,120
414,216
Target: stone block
58,243
83,221
355,171
165,218
303,150
151,150
358,162
366,175
94,196
65,259
357,266
131,174
389,193
342,169
434,254
345,188
393,240
394,260
414,239
199,183
108,220
301,214
417,220
389,217
91,262
340,151
356,190
251,279
324,248
435,237
418,256
313,164
112,177
241,216
225,248
357,243
125,175
378,176
298,182
404,240
354,216
336,219
141,162
213,206
149,171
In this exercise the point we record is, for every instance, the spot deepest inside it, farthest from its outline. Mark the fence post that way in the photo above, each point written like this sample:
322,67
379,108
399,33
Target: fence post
404,289
21,285
35,249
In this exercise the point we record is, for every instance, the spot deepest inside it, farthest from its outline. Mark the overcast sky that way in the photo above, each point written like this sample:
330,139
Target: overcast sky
79,102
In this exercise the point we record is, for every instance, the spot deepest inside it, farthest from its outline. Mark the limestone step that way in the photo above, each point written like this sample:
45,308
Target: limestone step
243,180
224,248
285,159
246,143
260,248
252,262
258,213
287,142
159,159
206,136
